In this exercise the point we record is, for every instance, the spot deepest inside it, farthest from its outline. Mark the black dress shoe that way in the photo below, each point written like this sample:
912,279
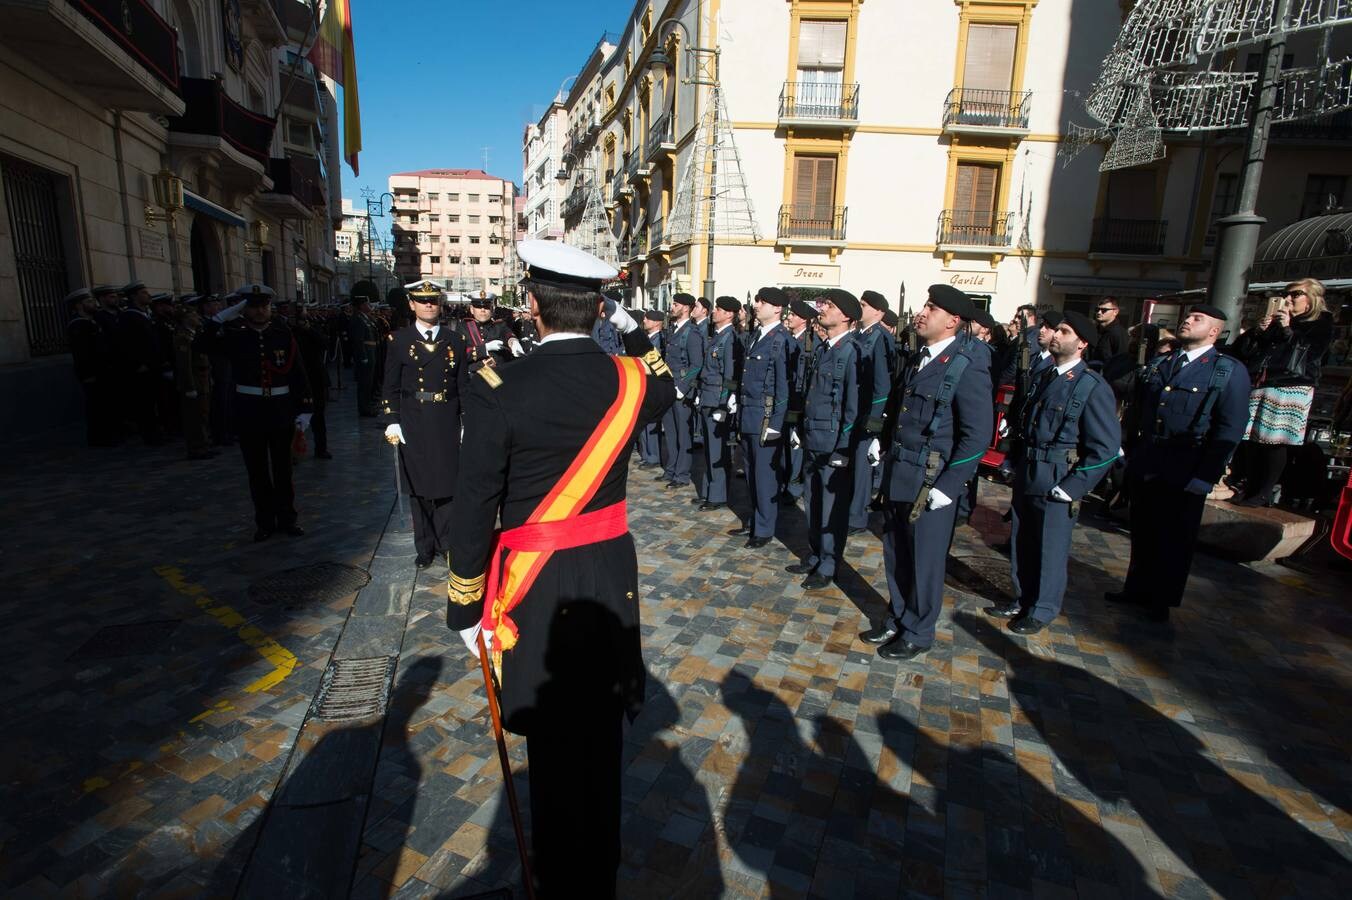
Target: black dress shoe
1026,624
663,477
816,582
743,531
879,634
900,648
705,506
423,560
262,534
1003,610
756,543
293,530
1120,597
696,501
800,569
673,485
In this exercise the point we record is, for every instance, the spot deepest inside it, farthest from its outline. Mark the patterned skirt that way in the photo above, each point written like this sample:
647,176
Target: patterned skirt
1279,415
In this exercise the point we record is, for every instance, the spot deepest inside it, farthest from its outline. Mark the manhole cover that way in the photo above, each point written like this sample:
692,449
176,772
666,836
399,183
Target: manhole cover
135,639
354,689
985,576
318,583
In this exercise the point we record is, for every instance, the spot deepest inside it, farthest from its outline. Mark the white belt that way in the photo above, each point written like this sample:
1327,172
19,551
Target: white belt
252,391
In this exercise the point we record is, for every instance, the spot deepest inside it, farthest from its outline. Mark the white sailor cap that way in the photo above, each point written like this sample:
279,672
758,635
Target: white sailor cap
77,295
482,299
100,289
425,289
559,263
254,293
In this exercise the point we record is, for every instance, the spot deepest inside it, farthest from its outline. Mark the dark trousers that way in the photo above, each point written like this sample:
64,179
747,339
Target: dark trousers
677,455
827,493
431,524
1039,548
267,457
791,468
863,484
141,388
192,414
649,449
762,483
915,557
222,405
103,420
1164,524
575,803
365,376
319,424
717,456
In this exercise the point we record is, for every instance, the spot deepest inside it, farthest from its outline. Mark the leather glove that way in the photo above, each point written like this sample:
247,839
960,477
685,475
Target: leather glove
1058,494
938,499
838,460
618,316
230,312
394,434
471,638
875,452
493,346
794,440
1198,486
303,421
732,404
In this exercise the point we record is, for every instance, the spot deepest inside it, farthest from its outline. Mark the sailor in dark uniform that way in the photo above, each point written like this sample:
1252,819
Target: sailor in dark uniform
1191,411
425,371
877,353
562,610
650,438
802,342
363,340
313,341
272,401
488,341
717,400
107,306
762,407
684,355
139,356
1066,439
939,422
830,413
92,352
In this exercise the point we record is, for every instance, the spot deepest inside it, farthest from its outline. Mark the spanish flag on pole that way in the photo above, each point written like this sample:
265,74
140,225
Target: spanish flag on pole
334,55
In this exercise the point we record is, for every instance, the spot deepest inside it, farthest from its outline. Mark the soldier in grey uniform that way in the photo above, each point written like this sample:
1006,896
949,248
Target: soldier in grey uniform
717,401
802,341
650,437
876,352
763,405
685,357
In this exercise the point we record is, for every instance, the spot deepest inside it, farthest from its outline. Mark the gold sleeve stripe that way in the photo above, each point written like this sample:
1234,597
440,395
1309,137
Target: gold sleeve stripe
656,363
488,374
467,584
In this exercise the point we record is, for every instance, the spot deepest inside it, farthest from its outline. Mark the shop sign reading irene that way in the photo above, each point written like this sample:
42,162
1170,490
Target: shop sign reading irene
971,282
800,274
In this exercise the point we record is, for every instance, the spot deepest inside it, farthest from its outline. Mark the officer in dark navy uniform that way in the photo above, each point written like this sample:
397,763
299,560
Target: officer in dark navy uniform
800,324
685,357
1192,408
425,371
1066,439
272,401
106,308
650,437
717,398
91,350
876,354
762,406
830,413
362,336
939,423
138,355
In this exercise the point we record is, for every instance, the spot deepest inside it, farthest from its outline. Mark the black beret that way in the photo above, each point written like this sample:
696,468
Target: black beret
986,320
773,296
1207,309
802,309
1050,319
683,299
874,299
1081,325
704,302
890,319
655,315
951,300
844,301
728,304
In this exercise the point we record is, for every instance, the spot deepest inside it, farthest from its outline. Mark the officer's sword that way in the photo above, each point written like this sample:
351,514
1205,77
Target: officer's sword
491,688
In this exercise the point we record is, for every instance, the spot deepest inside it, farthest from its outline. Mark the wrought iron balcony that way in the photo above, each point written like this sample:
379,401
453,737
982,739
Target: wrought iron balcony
811,103
979,110
975,228
661,139
1334,127
657,240
1128,237
295,188
811,224
211,113
636,168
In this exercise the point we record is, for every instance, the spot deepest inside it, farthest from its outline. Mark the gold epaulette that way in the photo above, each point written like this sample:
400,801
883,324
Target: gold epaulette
656,363
490,375
464,591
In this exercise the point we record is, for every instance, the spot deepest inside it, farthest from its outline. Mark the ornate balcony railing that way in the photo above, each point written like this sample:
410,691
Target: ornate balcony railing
975,228
1135,237
819,101
811,223
137,28
210,111
980,108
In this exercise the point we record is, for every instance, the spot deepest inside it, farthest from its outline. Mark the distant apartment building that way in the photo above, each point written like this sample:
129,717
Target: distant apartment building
542,149
585,107
454,226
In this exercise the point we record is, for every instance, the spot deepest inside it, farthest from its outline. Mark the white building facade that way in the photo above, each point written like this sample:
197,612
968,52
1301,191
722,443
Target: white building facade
542,149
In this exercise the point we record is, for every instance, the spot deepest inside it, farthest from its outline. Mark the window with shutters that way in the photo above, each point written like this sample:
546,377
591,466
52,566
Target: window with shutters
1130,223
821,67
812,214
989,62
974,203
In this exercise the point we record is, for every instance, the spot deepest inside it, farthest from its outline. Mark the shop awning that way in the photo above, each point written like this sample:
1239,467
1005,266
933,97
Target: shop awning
1117,287
1330,284
207,208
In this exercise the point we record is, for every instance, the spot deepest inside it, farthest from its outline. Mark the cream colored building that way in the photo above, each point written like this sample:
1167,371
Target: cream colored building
92,109
454,226
886,143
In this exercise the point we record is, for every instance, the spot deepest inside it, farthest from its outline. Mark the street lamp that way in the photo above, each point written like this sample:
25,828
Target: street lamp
375,207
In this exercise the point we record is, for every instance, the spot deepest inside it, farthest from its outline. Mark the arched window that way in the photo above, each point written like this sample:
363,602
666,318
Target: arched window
191,62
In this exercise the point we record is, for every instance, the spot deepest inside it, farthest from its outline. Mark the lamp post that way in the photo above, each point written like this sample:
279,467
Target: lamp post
375,207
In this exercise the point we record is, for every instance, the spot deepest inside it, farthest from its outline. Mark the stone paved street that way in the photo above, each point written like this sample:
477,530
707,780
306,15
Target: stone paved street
776,756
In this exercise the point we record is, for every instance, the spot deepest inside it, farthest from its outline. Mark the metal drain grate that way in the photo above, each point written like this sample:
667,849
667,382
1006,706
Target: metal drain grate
317,583
354,689
135,639
984,576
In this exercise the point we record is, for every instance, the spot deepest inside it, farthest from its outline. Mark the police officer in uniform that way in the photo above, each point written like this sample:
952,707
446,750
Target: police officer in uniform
92,352
685,357
272,400
800,323
650,438
1192,411
363,338
939,423
425,372
877,352
568,642
762,408
1066,439
717,400
830,413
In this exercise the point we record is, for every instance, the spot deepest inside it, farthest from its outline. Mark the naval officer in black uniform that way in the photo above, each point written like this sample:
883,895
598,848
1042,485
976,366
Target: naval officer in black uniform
939,422
561,421
426,367
272,401
1065,440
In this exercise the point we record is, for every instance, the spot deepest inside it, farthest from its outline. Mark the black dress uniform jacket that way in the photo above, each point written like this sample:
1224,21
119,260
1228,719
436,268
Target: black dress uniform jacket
424,381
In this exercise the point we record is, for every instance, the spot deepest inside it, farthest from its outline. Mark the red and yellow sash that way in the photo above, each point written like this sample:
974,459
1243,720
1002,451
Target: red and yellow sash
556,524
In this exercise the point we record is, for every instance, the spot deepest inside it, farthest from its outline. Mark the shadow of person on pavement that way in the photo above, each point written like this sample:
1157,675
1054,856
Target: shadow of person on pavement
1128,753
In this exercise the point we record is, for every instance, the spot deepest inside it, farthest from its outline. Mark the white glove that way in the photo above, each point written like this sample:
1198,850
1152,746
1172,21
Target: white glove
230,312
1003,430
191,395
471,638
794,440
1058,494
303,421
938,499
771,434
732,404
874,452
493,346
394,434
679,395
1198,486
697,401
619,317
515,346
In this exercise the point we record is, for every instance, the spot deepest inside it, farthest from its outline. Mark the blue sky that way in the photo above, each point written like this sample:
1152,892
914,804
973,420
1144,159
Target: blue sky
442,79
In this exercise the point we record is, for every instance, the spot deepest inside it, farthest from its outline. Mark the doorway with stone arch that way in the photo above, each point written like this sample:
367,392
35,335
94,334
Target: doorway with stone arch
204,249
